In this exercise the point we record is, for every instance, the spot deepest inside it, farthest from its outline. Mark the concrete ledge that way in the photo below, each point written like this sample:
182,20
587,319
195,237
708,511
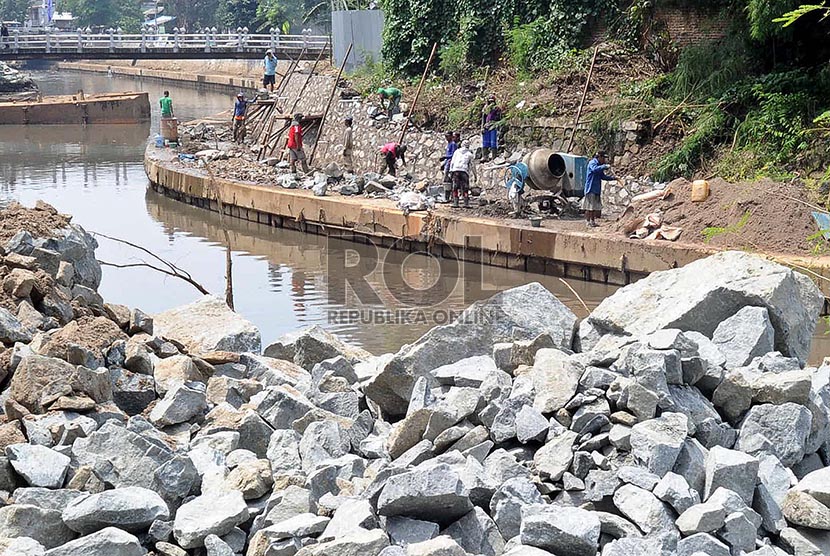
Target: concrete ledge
217,82
581,255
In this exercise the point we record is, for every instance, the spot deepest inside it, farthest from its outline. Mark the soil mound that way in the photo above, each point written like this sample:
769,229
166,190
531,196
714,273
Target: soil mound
41,221
758,216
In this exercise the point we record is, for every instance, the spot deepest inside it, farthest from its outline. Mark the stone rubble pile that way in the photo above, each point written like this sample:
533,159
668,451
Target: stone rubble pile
677,419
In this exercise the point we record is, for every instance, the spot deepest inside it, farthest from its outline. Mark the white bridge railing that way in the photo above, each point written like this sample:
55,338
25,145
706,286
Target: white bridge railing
113,41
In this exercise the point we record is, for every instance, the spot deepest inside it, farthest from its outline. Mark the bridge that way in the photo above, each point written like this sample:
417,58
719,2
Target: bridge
208,44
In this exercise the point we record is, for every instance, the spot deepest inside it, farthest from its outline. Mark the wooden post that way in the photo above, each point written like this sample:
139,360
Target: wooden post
417,93
584,96
331,96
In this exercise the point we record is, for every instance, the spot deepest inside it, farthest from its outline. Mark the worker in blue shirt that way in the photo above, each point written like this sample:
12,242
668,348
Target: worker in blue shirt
592,201
269,64
452,145
240,108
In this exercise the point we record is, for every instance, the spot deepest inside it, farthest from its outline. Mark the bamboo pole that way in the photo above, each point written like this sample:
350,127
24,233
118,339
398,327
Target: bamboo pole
417,93
584,96
328,105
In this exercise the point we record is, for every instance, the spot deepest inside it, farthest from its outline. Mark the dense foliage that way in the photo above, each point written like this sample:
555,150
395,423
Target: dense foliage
125,14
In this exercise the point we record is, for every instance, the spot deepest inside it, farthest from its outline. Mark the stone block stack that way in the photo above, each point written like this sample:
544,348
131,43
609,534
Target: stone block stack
679,418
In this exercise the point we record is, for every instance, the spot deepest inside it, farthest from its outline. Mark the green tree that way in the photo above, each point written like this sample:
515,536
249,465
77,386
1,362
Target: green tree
14,10
107,13
193,14
237,13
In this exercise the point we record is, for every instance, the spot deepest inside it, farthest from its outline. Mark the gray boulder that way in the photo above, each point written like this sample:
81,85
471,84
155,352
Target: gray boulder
732,470
130,508
521,313
38,465
507,502
312,345
180,404
433,493
817,485
220,328
477,534
555,457
124,458
679,299
744,336
21,546
562,530
644,509
212,513
555,378
44,526
404,530
106,542
780,430
657,442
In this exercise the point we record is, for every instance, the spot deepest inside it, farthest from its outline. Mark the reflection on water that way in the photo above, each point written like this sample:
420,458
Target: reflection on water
325,279
283,279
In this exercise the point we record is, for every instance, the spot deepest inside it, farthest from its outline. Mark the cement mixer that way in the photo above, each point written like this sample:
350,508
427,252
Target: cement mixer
556,172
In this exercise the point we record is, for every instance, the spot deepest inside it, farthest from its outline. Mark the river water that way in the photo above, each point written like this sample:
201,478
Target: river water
283,279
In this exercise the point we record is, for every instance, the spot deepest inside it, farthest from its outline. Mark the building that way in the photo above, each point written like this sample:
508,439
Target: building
42,15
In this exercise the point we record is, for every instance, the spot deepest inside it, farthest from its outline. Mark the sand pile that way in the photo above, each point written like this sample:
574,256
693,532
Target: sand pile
760,216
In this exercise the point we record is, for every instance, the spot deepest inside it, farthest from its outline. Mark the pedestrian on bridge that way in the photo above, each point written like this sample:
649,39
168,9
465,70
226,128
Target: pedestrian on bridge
166,104
269,63
295,145
240,108
4,36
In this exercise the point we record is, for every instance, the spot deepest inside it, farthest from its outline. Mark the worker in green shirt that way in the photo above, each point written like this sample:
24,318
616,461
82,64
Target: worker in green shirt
390,99
166,104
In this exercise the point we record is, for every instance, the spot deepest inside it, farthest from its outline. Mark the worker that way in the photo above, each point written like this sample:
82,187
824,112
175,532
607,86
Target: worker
269,64
592,201
4,35
166,104
295,144
390,100
240,108
452,145
461,167
490,117
391,153
348,144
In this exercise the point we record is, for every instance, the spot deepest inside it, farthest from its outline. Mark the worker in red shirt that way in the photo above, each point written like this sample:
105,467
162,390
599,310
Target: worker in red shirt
391,153
295,144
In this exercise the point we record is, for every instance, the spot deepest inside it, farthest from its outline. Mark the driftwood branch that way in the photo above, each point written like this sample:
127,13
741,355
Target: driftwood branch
172,268
174,274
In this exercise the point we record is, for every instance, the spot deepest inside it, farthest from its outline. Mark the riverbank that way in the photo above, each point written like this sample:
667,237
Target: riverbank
517,428
203,76
558,248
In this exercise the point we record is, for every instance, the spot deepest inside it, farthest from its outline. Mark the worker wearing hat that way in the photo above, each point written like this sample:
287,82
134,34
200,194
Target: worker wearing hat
348,144
240,108
269,64
295,144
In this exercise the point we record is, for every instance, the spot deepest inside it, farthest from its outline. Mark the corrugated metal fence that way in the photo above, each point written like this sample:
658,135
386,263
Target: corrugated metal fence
363,28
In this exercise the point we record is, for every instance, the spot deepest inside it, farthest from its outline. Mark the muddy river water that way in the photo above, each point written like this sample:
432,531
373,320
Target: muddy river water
283,279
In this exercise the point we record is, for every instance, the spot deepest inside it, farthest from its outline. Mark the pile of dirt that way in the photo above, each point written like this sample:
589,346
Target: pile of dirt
760,216
41,221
